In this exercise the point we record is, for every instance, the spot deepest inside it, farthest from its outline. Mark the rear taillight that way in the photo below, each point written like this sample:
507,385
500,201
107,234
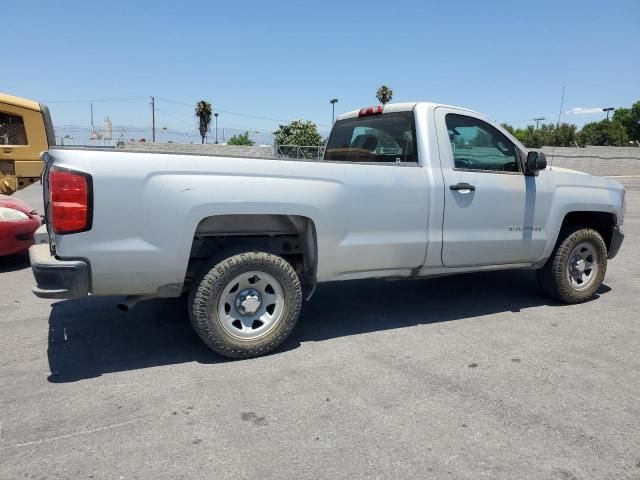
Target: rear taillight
71,200
365,112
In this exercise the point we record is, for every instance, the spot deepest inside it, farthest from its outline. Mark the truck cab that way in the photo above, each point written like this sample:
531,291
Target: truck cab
25,132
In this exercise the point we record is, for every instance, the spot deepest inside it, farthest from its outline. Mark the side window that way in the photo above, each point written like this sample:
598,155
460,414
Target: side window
476,145
12,131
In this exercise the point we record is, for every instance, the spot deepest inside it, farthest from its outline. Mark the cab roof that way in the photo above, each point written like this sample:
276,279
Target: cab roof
19,102
401,107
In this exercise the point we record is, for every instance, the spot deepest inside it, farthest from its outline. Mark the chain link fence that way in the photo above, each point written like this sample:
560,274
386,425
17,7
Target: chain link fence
312,152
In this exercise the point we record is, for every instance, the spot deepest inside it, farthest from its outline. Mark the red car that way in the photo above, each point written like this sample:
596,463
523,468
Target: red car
18,222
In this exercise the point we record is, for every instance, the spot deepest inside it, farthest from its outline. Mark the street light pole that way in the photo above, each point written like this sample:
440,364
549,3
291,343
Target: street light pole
538,120
216,116
153,119
608,109
333,102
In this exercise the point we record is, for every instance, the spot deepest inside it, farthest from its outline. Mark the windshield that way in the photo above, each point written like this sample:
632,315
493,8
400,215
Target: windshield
389,137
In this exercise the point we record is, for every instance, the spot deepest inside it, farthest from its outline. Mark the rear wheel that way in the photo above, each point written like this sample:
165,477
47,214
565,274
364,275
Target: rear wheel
576,269
246,305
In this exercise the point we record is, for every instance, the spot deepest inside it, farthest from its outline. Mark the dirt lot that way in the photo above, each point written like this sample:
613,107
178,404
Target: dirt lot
478,376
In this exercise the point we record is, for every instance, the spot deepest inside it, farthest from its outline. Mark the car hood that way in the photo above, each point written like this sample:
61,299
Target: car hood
574,177
566,170
17,204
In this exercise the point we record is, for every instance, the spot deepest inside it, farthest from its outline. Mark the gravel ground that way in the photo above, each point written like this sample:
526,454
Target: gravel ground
476,376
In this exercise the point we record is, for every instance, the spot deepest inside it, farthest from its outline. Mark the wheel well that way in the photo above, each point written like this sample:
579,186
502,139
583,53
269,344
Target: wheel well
602,222
292,237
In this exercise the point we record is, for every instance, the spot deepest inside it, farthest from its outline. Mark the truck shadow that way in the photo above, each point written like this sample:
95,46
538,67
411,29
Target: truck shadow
15,262
350,308
89,336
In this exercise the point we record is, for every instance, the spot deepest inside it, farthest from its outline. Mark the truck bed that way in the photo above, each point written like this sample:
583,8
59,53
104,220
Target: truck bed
184,149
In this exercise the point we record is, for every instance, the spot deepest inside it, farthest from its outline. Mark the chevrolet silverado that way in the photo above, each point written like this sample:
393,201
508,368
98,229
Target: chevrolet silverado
404,191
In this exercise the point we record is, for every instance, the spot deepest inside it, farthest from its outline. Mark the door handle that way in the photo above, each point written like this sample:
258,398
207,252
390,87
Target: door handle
462,186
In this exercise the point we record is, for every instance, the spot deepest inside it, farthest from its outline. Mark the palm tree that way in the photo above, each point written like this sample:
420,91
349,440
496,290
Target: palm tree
384,94
203,112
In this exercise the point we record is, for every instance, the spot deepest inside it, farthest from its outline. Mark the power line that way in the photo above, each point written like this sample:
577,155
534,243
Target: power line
517,121
538,120
228,112
88,129
95,100
172,115
177,102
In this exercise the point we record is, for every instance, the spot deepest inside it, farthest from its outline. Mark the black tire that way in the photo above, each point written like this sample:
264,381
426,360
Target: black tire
206,292
553,278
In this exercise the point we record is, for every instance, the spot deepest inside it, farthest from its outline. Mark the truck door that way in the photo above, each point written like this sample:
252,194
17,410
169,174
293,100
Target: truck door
493,213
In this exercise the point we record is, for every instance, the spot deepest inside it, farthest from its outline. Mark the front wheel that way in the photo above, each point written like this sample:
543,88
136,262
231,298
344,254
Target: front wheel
576,269
246,305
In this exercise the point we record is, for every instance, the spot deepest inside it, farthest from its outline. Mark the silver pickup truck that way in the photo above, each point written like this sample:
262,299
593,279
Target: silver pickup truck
406,190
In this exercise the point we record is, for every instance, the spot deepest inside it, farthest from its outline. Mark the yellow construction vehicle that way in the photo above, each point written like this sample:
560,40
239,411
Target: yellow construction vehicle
25,131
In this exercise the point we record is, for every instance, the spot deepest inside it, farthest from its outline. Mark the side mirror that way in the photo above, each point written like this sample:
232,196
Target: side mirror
536,161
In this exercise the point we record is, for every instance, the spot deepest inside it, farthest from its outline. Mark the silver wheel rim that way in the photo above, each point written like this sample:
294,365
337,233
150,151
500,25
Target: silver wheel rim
251,305
582,267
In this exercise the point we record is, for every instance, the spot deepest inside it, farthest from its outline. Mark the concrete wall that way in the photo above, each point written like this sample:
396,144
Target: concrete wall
256,151
601,161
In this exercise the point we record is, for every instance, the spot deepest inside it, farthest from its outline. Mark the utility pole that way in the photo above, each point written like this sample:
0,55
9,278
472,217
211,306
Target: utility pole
333,102
608,110
216,115
538,120
153,119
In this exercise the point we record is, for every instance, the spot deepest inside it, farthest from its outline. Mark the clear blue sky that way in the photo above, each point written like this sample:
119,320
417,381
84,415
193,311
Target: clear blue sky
286,59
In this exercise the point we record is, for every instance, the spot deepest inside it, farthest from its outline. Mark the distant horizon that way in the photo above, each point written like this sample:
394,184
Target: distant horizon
192,135
81,134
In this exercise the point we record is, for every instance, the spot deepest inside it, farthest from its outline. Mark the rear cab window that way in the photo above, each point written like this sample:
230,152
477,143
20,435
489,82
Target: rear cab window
383,138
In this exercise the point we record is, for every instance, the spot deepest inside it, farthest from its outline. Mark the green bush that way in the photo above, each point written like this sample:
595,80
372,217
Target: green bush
298,132
606,132
240,139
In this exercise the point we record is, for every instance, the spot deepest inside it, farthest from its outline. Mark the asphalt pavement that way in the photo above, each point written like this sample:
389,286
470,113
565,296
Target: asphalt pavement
468,377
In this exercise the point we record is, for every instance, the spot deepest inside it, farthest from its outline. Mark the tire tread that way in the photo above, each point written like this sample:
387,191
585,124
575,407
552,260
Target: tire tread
551,276
211,281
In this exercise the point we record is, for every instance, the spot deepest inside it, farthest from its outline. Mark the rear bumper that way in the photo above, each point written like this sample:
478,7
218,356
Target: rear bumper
616,241
58,278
